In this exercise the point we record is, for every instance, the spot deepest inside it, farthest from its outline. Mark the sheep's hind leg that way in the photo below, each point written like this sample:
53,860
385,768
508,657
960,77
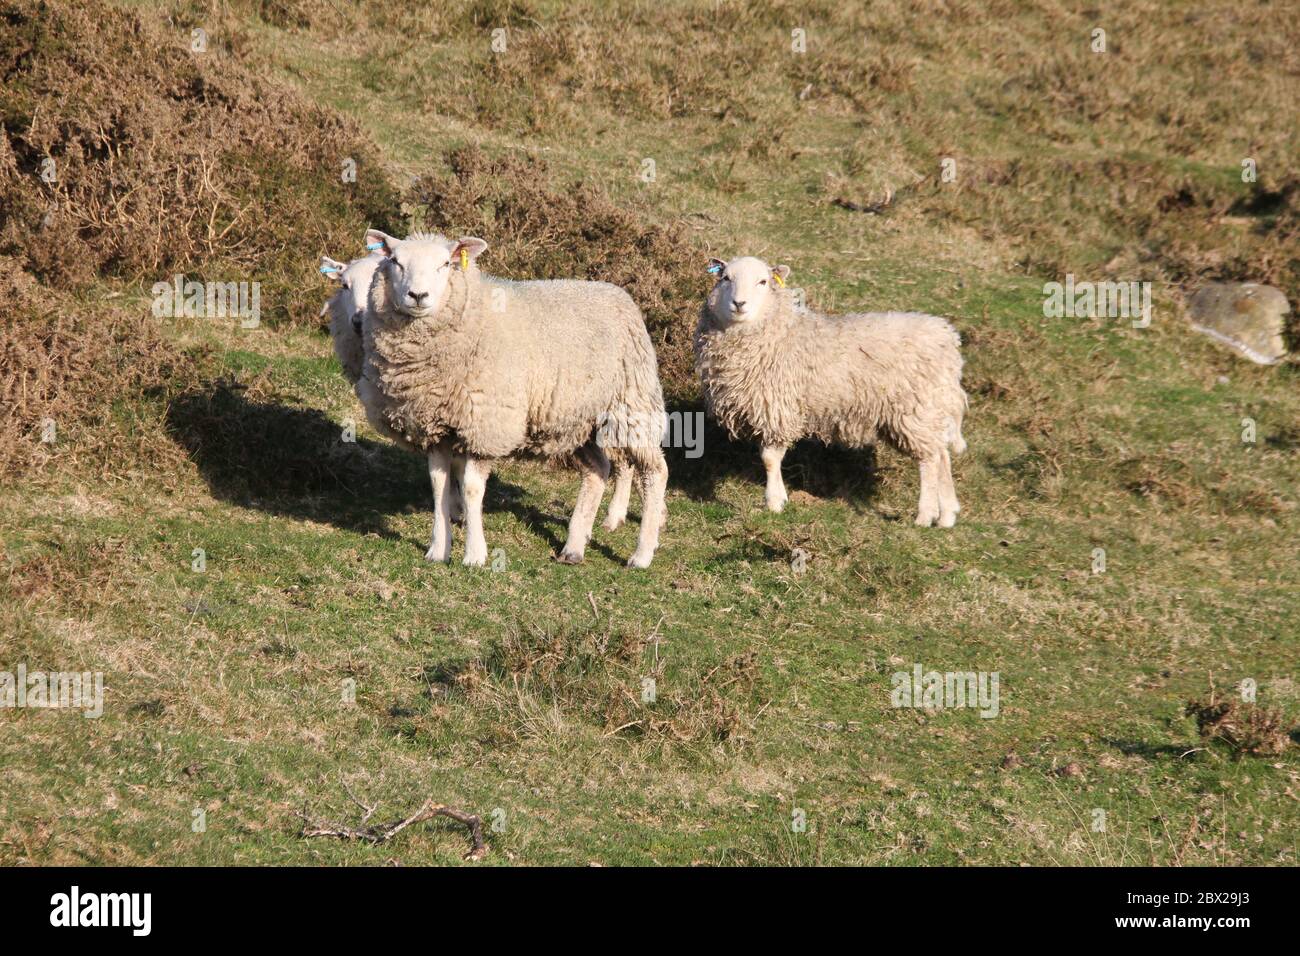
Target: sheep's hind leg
927,510
457,511
595,470
617,513
440,478
476,476
948,506
776,497
654,513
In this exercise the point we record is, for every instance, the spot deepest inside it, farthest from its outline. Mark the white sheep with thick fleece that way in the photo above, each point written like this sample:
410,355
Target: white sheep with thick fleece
777,373
461,363
347,307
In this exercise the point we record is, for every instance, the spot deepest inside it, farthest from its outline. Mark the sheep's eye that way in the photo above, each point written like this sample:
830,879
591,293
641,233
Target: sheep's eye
347,284
726,278
762,282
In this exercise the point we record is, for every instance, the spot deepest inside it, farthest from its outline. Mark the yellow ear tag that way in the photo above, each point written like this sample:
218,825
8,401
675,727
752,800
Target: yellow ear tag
464,260
776,277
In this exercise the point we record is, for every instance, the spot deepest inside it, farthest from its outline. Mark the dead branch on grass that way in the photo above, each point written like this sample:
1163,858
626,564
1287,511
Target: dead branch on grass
383,832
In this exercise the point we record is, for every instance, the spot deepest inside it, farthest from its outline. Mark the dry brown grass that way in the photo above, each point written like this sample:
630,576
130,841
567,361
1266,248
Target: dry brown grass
165,160
1124,163
1246,730
532,679
695,60
62,571
68,362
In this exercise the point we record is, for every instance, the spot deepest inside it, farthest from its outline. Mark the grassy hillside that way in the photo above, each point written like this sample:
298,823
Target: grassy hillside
771,639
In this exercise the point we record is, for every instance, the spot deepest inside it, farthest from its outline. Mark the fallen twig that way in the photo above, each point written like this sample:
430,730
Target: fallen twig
871,208
383,832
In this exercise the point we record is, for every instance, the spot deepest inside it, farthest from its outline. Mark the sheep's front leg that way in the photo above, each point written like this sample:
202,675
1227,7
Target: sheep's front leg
440,478
927,510
475,485
595,470
617,513
776,496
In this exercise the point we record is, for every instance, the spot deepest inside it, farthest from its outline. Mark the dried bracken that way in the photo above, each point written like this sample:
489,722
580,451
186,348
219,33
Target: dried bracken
1247,729
64,362
94,104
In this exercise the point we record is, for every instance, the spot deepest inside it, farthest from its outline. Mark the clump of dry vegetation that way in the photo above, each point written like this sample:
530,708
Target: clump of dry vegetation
64,366
125,154
64,571
601,674
1247,730
540,227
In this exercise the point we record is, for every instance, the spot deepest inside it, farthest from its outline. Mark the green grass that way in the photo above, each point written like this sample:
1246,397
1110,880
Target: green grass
226,688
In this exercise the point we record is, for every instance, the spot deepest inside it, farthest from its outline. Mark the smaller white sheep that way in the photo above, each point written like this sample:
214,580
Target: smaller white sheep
777,373
347,308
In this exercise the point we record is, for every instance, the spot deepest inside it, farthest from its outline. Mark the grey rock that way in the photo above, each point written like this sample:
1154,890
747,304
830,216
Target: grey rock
1245,316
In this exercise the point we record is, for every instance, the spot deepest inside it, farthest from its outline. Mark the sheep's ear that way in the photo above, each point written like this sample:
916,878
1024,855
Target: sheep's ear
716,267
332,268
472,246
377,241
781,272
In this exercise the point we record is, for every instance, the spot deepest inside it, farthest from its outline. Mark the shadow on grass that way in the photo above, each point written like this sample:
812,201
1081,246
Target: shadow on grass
292,461
848,474
1143,748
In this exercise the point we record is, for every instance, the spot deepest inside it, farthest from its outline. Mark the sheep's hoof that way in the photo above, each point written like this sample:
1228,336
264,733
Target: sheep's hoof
611,523
776,505
570,557
433,555
948,520
925,521
640,561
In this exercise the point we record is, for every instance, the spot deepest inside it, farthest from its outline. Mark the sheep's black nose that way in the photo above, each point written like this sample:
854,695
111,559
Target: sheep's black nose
356,322
737,305
418,297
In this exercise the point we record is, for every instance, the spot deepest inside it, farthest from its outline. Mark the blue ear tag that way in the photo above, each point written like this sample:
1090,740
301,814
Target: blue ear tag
372,246
715,270
328,270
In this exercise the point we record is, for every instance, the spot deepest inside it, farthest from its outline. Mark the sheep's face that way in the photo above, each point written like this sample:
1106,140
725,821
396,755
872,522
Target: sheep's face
354,286
743,288
418,269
